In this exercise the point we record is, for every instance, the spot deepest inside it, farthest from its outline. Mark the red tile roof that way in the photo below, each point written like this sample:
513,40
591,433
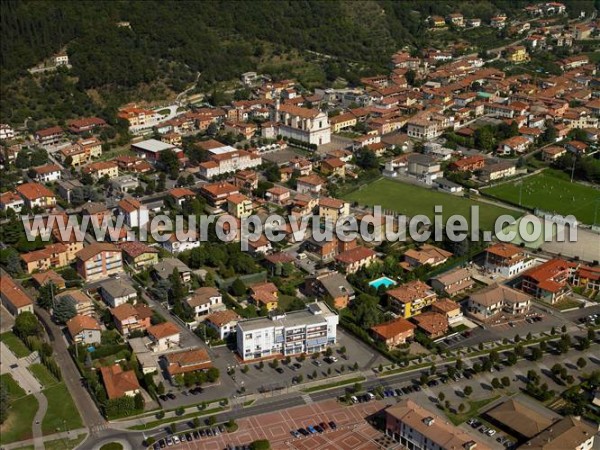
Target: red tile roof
33,191
393,328
118,382
13,293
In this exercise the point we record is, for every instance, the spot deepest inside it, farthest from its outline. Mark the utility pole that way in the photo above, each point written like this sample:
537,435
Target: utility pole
573,169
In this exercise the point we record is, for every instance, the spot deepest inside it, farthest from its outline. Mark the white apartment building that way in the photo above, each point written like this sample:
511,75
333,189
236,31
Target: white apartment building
305,331
6,132
226,159
307,125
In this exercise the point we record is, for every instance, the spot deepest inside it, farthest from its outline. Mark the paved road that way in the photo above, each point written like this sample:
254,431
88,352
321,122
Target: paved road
71,376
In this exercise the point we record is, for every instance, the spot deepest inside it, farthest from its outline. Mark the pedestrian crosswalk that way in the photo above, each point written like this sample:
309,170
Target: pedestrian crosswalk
307,399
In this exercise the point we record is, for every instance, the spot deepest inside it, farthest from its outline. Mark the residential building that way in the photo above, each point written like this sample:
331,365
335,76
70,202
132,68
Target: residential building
278,195
139,255
138,118
47,173
432,323
513,145
13,297
42,278
548,281
36,195
239,206
331,209
310,184
456,19
333,167
128,318
393,333
305,331
11,200
6,132
577,147
453,282
102,169
342,122
67,187
516,418
450,309
180,195
84,330
426,168
306,125
82,151
84,125
136,214
331,285
180,244
115,292
164,269
426,126
216,193
99,260
53,255
506,259
246,179
133,164
118,382
492,300
427,254
417,428
552,153
224,159
497,171
411,298
352,260
517,54
569,432
84,305
264,295
179,363
587,277
49,136
204,300
164,336
223,322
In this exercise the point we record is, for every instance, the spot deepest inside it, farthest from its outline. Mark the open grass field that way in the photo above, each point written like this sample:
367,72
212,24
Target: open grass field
14,344
42,374
17,427
551,191
12,387
412,200
61,410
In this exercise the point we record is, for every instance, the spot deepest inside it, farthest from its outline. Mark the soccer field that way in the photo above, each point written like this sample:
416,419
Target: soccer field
412,200
551,191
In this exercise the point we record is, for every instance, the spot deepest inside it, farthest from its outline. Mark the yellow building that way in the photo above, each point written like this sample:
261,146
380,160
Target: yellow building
138,254
332,209
517,54
101,169
49,257
341,122
411,298
239,205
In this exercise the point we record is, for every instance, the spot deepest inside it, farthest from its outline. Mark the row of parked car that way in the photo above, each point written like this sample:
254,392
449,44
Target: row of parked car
484,429
314,429
191,436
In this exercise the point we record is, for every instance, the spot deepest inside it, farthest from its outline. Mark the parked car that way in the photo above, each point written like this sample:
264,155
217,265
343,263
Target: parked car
295,433
176,440
332,425
279,370
311,429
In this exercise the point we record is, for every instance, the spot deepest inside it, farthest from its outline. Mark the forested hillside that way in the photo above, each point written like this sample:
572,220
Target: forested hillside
169,42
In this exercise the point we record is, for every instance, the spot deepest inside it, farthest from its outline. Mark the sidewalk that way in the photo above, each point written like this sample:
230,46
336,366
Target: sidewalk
67,435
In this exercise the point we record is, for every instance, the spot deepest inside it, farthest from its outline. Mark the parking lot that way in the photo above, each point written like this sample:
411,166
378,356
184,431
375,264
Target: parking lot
268,380
349,431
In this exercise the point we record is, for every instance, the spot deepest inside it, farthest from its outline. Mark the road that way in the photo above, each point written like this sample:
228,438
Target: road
88,410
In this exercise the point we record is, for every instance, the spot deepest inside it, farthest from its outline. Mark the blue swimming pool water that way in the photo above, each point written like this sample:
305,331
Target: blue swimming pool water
383,281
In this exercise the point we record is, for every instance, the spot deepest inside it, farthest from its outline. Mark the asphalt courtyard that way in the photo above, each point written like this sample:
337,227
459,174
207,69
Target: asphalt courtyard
352,431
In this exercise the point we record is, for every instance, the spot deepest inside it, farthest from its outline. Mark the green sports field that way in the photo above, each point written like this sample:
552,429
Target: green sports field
551,191
412,200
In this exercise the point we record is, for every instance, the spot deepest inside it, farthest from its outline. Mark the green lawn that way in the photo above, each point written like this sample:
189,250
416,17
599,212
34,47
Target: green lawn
14,390
323,387
17,426
551,191
474,407
43,375
412,200
62,444
15,344
61,410
112,446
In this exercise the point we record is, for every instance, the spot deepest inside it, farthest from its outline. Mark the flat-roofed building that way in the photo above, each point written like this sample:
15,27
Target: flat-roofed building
305,331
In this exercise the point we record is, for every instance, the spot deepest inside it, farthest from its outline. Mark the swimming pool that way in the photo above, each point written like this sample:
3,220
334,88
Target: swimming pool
383,281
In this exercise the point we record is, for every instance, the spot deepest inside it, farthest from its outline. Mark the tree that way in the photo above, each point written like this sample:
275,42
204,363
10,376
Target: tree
549,134
261,444
461,407
160,389
468,390
536,354
238,288
366,159
581,363
4,402
441,396
505,381
27,324
328,352
496,383
484,138
211,420
173,428
65,309
139,401
46,295
591,334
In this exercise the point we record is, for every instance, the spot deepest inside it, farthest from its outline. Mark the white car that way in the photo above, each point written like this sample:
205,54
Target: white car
176,440
490,432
